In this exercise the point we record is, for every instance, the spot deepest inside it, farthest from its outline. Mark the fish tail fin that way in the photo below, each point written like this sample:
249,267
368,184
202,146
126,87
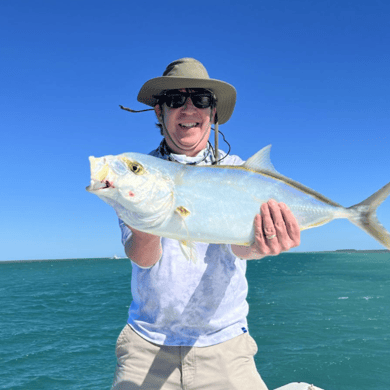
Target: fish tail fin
364,216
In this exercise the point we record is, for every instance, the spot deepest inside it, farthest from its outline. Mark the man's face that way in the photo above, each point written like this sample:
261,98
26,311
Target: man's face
187,127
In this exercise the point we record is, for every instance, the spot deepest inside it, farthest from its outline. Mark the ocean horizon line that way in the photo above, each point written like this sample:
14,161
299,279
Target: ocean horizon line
122,258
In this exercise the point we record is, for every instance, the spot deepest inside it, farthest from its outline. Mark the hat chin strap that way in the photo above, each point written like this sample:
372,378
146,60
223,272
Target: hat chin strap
216,152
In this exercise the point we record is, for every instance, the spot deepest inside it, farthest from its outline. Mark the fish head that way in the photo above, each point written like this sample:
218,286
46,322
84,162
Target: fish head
139,192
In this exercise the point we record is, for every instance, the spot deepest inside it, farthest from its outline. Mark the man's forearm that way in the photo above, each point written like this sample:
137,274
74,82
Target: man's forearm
143,249
246,252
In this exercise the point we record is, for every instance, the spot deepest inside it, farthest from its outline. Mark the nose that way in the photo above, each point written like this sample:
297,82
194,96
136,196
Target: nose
188,105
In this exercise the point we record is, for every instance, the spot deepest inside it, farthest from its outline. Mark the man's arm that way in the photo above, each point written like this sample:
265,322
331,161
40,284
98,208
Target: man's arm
277,220
144,249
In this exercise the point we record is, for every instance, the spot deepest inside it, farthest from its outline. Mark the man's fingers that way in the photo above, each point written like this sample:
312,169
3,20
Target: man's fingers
277,219
276,229
260,239
268,223
292,227
271,230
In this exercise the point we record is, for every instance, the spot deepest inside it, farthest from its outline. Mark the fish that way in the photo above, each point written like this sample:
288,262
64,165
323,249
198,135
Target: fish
217,203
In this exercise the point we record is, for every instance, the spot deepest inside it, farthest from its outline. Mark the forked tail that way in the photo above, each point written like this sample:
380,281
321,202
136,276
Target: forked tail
365,216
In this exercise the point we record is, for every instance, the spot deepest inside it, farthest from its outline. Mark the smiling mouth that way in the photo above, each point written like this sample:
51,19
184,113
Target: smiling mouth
189,125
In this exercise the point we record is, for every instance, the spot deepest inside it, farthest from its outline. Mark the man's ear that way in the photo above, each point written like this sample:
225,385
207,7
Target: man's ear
157,110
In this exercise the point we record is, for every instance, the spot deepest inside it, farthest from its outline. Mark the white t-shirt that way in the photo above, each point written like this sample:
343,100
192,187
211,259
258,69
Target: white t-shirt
179,303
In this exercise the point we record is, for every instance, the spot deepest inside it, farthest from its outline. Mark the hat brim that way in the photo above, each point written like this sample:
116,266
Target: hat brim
225,93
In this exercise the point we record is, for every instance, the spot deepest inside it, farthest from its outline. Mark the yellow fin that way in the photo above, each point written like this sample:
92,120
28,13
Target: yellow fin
182,211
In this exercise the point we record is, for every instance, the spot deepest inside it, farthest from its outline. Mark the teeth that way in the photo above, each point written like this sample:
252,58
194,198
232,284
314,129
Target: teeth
188,124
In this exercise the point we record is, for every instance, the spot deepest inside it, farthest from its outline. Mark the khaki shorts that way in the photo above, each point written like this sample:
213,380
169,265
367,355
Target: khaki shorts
226,366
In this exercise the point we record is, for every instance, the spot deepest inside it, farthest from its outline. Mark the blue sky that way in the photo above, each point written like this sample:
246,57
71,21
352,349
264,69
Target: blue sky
312,79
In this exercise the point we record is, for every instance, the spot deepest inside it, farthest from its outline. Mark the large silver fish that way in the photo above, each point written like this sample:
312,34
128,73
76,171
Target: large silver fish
215,204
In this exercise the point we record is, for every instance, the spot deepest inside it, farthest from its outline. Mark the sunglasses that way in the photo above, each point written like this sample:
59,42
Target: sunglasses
200,98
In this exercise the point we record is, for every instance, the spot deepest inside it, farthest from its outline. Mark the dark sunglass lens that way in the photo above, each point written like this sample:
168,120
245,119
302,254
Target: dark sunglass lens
175,100
201,100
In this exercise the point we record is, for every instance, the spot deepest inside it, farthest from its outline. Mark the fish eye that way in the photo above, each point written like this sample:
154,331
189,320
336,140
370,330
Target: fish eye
134,167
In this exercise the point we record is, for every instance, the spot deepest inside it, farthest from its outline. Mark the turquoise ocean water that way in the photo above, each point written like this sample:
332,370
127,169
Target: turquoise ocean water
321,318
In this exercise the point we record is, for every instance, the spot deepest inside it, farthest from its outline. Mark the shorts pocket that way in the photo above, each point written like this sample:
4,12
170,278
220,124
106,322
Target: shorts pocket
252,346
124,344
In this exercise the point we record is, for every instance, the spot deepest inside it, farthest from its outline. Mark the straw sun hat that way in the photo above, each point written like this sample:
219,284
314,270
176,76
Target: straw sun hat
190,73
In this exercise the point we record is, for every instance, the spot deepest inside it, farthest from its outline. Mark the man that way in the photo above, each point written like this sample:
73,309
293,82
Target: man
187,325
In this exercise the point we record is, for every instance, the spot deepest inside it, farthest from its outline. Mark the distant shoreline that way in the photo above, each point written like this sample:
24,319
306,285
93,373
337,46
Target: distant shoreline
125,258
78,258
352,251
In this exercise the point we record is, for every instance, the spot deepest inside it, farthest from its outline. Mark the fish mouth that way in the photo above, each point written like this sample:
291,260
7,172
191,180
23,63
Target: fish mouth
107,184
99,185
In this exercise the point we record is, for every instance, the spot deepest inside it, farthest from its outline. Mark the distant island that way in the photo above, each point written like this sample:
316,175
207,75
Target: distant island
363,250
350,251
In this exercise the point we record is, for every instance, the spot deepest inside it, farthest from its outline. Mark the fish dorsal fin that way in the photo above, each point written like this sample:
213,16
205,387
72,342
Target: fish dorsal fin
261,161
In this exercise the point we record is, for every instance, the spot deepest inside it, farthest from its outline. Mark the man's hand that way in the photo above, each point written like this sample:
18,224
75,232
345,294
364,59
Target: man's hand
276,231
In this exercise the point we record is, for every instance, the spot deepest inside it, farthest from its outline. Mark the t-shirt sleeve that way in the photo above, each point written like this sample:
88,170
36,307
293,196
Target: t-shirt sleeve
126,232
234,160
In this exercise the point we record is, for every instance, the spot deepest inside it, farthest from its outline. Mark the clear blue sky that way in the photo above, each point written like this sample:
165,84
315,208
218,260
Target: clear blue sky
312,79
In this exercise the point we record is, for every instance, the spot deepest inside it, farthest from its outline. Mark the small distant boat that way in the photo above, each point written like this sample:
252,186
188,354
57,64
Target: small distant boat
115,257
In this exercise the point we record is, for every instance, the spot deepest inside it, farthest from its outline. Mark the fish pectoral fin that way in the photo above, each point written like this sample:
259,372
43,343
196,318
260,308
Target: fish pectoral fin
189,250
187,247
